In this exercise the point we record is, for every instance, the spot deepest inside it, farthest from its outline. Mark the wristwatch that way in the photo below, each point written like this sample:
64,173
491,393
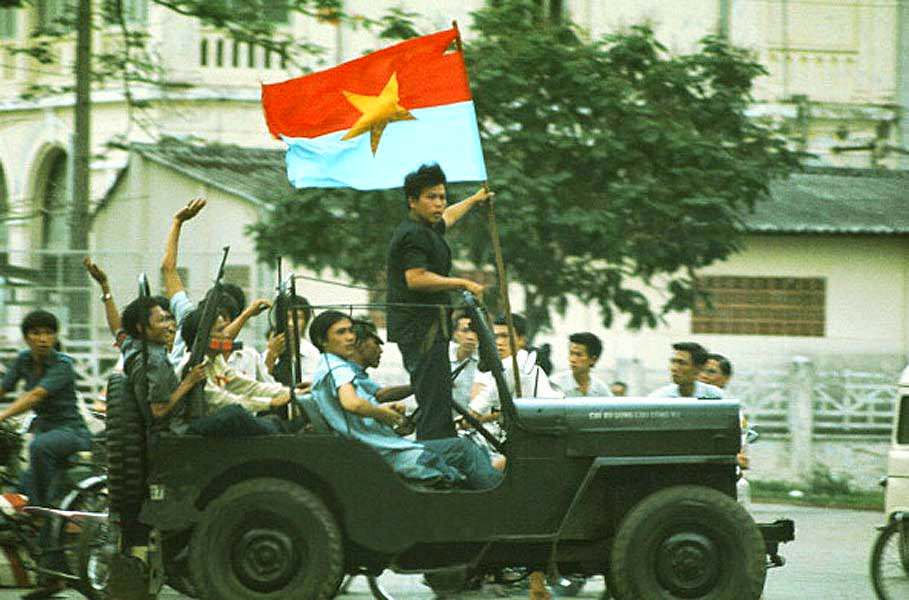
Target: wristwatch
106,296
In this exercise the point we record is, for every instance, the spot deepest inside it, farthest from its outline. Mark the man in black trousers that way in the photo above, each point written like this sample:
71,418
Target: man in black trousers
418,267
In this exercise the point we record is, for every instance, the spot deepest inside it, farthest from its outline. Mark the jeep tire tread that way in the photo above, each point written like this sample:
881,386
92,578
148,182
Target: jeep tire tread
687,542
126,447
266,539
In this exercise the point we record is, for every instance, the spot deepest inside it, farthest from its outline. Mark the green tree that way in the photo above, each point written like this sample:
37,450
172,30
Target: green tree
615,164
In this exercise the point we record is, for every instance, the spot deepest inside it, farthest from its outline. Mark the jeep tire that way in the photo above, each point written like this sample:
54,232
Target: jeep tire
687,542
266,539
125,444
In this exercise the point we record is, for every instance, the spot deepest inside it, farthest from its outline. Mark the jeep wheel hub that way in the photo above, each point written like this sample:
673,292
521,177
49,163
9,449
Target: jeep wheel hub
265,559
687,564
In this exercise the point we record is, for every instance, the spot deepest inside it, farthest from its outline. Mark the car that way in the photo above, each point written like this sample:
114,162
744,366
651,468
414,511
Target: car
890,554
640,490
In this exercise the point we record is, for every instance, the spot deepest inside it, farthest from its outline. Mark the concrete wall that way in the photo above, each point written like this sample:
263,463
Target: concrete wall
861,460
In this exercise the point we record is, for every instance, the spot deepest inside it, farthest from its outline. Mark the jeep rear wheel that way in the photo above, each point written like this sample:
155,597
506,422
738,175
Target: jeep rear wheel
266,539
687,542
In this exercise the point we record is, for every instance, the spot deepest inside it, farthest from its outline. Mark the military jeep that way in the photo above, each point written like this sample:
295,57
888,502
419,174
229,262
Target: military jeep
639,490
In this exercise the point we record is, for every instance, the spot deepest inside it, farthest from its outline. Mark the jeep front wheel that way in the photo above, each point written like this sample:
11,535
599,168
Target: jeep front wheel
687,542
266,539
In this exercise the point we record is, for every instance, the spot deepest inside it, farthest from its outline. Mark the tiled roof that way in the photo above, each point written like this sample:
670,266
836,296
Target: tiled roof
831,200
245,172
819,200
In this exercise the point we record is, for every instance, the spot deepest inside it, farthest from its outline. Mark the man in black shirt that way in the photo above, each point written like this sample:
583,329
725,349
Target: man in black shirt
418,266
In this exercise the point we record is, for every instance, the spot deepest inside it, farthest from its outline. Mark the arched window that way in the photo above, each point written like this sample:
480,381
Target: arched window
52,204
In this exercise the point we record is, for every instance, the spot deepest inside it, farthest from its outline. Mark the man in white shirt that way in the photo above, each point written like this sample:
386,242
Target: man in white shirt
309,355
718,371
462,353
484,400
584,350
687,360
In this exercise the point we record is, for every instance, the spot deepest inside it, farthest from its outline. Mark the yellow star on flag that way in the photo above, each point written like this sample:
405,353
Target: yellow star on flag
378,111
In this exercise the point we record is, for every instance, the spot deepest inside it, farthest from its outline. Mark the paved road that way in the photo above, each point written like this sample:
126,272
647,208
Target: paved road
829,561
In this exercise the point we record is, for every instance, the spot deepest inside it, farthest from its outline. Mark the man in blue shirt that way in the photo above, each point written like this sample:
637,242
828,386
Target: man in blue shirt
50,391
345,403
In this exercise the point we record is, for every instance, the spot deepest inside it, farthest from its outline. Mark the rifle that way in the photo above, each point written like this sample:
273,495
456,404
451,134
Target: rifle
287,294
144,292
198,406
295,366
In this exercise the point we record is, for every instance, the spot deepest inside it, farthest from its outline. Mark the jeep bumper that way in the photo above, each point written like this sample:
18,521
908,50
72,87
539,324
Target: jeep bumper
776,533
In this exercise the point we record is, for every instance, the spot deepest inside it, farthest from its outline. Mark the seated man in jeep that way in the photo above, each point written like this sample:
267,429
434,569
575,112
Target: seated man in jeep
335,390
149,327
232,398
366,354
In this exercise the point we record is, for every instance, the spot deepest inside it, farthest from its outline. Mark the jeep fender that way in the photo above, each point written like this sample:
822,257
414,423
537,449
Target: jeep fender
587,515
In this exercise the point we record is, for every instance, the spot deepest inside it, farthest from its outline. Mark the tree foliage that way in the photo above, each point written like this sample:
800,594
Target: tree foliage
616,166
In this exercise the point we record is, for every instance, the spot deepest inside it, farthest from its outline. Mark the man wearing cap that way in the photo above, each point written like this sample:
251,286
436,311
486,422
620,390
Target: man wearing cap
418,266
366,354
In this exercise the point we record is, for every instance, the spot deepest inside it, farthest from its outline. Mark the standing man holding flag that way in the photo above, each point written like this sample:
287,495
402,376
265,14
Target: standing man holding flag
418,267
370,124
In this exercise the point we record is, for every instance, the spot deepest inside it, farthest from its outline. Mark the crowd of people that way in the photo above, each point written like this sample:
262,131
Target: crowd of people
248,392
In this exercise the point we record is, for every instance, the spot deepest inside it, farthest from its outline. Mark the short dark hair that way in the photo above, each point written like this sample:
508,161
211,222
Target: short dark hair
235,292
591,342
364,330
461,314
137,314
296,302
725,365
39,319
621,383
189,327
520,323
426,176
318,330
698,352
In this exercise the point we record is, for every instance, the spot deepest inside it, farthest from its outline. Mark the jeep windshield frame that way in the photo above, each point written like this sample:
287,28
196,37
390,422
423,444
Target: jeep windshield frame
490,361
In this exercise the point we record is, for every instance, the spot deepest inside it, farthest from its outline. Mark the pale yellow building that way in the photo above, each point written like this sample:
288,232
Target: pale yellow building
837,79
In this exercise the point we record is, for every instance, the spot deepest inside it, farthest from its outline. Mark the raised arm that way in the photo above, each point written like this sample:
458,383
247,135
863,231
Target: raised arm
172,281
454,212
256,308
110,307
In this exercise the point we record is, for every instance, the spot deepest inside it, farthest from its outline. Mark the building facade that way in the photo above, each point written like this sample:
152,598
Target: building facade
837,81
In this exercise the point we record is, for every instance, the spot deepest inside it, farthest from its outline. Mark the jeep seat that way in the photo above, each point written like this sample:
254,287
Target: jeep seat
313,414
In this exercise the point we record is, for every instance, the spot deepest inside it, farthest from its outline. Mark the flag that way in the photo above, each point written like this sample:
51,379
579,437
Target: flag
368,122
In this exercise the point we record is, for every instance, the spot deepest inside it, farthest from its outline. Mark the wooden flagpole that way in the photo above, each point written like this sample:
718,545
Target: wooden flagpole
500,263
